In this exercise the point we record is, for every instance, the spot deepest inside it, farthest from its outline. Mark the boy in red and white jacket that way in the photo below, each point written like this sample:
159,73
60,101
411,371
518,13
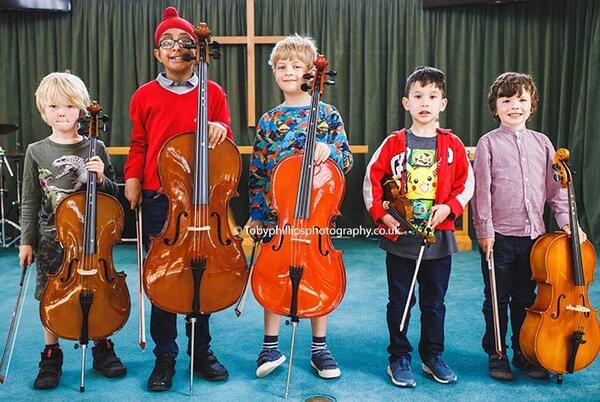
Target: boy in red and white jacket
431,166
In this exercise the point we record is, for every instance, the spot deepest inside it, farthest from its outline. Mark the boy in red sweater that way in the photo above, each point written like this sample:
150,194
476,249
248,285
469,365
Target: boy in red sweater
433,171
160,109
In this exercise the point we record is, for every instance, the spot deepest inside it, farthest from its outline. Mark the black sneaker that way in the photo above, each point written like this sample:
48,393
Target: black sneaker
498,368
207,365
532,370
161,377
50,369
106,361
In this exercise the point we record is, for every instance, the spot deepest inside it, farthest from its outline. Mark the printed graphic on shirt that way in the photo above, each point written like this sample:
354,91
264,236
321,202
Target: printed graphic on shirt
282,132
421,181
69,176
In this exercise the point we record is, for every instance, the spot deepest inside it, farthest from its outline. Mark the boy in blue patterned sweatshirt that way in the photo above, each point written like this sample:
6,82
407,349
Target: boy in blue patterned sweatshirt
282,132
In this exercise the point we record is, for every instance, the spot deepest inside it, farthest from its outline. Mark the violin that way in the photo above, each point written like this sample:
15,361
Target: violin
87,299
561,331
196,265
400,207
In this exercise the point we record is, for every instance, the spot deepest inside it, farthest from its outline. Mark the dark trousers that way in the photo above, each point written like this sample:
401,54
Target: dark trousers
163,324
514,288
433,283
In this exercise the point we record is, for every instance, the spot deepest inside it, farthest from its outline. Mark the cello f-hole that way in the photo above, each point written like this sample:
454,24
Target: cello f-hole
181,215
107,271
582,297
323,253
557,313
219,231
277,246
68,275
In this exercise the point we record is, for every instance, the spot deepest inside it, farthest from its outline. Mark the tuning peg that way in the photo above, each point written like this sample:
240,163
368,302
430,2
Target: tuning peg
329,82
555,166
215,45
331,73
307,76
305,87
556,177
216,54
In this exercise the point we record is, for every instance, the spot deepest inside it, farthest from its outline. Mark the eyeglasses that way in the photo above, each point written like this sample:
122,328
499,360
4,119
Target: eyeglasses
169,43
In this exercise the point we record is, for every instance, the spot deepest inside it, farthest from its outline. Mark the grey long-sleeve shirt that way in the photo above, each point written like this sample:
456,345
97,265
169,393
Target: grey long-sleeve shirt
51,172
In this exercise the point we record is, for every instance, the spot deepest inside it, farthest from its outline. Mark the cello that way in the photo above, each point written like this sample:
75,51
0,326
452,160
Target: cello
561,331
298,273
87,299
196,265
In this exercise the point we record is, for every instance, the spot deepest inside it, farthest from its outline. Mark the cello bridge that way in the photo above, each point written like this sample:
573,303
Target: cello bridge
198,228
87,272
578,308
307,241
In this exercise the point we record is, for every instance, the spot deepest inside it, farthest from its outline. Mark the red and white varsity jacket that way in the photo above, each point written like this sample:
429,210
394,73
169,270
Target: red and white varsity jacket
455,181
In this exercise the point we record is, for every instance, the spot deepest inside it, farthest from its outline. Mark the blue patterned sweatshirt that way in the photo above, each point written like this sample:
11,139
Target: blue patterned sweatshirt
282,132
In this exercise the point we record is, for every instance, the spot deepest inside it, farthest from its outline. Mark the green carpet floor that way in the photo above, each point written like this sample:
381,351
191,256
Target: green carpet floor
357,337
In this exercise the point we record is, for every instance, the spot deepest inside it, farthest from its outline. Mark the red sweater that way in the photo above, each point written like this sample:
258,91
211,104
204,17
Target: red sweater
158,114
455,177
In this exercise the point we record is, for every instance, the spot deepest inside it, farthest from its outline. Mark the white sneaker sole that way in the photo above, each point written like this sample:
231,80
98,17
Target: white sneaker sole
400,383
266,369
328,374
441,381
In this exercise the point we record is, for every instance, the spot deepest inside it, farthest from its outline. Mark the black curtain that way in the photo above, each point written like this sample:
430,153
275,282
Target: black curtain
373,44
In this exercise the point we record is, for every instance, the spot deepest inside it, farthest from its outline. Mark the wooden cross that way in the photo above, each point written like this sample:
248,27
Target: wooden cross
250,41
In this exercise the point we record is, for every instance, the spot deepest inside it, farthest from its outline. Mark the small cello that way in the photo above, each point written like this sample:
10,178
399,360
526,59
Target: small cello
298,273
87,299
561,331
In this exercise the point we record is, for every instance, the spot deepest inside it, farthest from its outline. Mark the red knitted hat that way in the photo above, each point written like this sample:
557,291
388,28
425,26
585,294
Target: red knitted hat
170,20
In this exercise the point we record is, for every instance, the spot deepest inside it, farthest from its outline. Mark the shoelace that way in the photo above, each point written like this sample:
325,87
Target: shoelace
440,362
404,364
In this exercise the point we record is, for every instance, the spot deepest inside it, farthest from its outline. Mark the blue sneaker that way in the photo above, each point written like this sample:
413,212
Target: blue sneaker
401,374
268,360
325,364
439,370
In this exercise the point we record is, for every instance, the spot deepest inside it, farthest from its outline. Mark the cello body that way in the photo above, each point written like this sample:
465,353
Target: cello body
303,241
561,331
87,298
167,268
60,308
546,334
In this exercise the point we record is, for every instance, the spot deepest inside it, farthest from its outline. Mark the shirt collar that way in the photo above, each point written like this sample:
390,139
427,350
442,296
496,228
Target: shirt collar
508,130
192,82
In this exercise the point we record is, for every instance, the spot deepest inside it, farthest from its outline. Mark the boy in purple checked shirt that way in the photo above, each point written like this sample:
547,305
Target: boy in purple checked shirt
513,181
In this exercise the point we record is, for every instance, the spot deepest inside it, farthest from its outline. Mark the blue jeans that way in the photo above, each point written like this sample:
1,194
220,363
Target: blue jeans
433,283
163,324
514,288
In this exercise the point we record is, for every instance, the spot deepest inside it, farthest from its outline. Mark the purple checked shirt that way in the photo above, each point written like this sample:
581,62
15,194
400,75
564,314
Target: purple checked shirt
513,180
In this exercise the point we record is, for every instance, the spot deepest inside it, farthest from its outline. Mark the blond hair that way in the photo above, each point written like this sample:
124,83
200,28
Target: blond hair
67,85
295,46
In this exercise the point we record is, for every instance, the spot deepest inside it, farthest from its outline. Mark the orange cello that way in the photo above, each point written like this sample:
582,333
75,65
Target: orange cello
196,265
87,299
298,273
561,331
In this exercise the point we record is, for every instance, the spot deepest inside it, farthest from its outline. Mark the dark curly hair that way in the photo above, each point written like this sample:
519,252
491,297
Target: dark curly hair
511,84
